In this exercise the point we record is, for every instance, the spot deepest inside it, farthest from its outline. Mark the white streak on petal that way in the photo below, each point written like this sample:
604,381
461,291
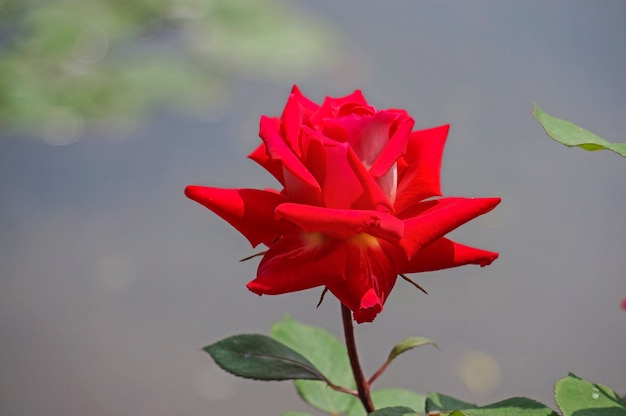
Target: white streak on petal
389,183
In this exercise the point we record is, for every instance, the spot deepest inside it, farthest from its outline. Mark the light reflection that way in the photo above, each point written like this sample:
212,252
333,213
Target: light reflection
479,372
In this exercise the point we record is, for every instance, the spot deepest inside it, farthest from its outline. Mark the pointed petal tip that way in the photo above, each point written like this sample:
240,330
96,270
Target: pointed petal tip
256,288
489,201
193,192
488,259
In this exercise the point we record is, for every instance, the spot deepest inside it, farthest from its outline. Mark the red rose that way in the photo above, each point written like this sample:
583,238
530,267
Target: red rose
357,206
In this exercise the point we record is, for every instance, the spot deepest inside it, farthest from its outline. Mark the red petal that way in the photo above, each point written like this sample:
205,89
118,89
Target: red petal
444,254
361,274
275,167
298,262
296,114
328,162
300,185
250,211
437,218
344,180
370,273
330,107
307,104
373,196
395,147
378,140
420,179
367,135
342,223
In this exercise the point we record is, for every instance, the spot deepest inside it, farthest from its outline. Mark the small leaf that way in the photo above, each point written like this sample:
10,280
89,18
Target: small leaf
577,397
438,401
571,135
409,344
260,357
516,406
390,397
328,355
394,411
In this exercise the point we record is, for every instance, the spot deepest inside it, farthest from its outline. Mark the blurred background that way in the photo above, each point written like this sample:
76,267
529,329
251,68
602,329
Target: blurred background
111,281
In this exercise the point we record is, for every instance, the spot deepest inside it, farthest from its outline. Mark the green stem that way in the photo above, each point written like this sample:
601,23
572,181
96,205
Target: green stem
362,385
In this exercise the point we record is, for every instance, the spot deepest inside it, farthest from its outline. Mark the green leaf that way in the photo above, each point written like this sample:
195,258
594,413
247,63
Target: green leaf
409,344
516,406
260,357
394,411
577,397
439,401
328,355
390,397
571,135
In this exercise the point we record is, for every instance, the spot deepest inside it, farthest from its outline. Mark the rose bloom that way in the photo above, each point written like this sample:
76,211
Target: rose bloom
358,204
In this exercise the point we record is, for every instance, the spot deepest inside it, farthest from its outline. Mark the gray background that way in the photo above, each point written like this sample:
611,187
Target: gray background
111,281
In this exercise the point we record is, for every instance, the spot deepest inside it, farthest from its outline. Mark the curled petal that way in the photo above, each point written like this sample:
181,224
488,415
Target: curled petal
370,274
342,223
395,147
299,183
298,262
295,115
359,272
378,140
384,169
420,177
331,106
445,254
344,180
275,167
327,160
250,211
367,135
439,217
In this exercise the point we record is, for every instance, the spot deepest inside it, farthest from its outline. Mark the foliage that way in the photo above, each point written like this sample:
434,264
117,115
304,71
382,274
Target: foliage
571,135
319,364
328,354
65,63
577,397
261,358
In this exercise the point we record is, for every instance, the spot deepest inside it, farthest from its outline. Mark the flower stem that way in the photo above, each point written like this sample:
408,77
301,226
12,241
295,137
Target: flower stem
362,385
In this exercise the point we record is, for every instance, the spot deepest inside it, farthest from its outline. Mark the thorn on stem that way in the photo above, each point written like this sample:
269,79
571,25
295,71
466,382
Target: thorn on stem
253,256
322,297
405,277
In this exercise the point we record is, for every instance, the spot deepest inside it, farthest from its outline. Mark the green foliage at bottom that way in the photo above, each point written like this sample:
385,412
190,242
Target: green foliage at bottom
577,397
394,411
390,398
516,406
328,355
